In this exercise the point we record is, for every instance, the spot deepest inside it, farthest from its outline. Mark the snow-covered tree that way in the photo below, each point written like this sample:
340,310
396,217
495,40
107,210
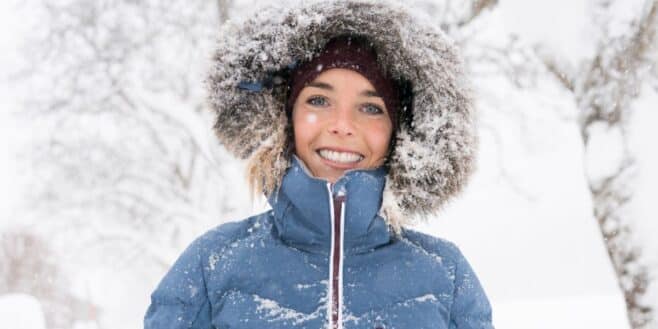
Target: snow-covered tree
604,88
126,153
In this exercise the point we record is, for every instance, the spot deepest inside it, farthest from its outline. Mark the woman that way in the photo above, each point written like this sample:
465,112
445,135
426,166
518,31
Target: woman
355,119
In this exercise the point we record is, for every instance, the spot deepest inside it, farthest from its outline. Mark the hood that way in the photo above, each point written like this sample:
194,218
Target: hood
436,143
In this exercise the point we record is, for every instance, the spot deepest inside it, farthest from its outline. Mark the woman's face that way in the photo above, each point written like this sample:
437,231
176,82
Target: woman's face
340,123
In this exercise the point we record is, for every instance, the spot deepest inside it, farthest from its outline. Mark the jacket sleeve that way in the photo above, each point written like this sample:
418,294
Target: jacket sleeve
180,300
471,308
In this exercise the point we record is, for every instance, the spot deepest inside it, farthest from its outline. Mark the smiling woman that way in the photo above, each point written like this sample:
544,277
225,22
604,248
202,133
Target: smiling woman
351,129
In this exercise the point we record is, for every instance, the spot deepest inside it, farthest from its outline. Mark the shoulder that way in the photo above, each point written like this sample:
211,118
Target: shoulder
190,267
202,252
182,293
231,232
470,306
447,251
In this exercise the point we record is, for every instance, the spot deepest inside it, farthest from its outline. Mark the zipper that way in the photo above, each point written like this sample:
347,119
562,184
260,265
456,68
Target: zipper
336,205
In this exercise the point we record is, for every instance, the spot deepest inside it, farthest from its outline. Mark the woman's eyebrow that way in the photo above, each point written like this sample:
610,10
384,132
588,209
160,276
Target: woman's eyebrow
326,86
370,93
321,85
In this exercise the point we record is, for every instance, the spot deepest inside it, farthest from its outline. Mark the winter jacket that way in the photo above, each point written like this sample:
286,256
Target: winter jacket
321,255
333,255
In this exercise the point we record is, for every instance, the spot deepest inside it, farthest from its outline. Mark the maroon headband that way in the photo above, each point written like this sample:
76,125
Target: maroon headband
347,53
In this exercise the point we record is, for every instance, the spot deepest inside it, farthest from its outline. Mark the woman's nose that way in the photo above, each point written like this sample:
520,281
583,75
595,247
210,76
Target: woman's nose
342,123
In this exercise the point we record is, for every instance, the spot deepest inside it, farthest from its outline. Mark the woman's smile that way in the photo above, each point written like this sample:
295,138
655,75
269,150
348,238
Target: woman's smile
340,156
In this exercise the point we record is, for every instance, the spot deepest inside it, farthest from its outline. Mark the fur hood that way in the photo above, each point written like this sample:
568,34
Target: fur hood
436,143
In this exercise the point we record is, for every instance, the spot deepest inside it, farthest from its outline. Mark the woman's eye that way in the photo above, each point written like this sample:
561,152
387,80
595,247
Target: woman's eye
372,109
317,101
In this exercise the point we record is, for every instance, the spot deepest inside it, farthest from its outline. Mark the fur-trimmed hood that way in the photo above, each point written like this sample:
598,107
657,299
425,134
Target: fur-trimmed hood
436,142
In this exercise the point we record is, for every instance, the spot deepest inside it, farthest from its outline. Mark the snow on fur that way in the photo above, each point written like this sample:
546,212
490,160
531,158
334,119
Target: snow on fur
435,149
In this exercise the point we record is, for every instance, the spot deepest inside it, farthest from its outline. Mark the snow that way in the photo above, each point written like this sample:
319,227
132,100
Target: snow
528,231
275,312
311,117
605,152
20,311
425,298
11,136
422,250
118,290
643,134
212,261
523,228
301,286
566,312
561,24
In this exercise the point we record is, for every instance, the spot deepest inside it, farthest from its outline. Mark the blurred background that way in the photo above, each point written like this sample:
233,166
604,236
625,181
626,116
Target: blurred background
109,167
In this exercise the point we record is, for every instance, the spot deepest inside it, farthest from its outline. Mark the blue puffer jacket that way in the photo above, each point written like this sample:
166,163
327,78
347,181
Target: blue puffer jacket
321,258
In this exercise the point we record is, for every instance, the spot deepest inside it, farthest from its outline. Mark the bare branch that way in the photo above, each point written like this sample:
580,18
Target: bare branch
477,7
558,70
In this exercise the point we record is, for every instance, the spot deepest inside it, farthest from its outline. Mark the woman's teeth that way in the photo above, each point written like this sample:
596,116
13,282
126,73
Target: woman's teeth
343,157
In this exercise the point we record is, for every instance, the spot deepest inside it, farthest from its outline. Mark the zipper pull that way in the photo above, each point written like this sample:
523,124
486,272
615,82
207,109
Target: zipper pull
340,194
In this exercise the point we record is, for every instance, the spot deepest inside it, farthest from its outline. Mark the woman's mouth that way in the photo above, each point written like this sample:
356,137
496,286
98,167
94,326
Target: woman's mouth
346,158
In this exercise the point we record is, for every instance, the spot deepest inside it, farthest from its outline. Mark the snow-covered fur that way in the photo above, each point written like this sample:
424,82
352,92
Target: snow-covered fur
436,142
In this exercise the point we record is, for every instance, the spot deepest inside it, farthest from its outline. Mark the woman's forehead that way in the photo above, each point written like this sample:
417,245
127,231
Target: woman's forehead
341,79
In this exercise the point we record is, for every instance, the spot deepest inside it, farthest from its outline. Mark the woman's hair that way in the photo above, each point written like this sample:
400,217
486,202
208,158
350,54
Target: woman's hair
267,157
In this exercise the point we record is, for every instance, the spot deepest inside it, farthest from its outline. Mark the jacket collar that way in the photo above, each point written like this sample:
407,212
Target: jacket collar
302,213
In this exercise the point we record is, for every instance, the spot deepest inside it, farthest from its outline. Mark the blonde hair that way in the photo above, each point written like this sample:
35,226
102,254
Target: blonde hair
267,165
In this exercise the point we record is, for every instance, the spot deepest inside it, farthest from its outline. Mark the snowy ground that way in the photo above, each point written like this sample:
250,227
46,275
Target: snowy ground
578,312
21,311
